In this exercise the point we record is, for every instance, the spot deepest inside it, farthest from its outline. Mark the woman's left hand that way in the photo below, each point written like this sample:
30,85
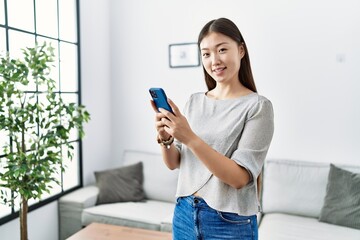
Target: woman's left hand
176,124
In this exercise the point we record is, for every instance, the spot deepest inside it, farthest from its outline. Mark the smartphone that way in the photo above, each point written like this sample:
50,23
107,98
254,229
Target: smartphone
160,99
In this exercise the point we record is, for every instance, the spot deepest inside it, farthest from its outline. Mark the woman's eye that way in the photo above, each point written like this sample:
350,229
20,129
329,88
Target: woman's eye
205,54
222,50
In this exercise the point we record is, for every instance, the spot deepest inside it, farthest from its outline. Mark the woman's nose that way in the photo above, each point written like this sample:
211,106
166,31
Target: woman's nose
215,59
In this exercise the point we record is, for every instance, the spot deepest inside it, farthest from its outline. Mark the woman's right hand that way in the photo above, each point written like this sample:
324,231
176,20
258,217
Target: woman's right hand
159,125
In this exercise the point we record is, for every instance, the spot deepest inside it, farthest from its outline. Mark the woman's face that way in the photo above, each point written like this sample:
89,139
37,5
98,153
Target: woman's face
221,57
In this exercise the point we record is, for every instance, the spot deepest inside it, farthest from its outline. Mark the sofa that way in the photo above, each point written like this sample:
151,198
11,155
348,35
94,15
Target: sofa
78,209
293,202
292,199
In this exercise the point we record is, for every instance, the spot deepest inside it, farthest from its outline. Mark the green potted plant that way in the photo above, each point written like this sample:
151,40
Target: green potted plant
38,130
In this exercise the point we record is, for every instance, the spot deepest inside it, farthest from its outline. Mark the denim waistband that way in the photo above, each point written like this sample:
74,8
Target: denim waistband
199,202
194,201
194,219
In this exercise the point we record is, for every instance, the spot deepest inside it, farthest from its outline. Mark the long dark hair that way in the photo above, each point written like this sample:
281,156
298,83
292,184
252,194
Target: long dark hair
228,28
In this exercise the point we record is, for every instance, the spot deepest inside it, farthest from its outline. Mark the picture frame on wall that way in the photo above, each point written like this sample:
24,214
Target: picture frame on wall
184,55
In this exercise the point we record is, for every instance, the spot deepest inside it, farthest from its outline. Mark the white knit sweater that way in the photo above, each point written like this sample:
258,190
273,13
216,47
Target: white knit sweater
240,129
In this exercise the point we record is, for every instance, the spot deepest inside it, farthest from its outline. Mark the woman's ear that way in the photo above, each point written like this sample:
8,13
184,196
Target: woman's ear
241,51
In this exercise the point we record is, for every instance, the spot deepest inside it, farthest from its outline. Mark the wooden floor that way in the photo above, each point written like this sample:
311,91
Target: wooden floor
99,231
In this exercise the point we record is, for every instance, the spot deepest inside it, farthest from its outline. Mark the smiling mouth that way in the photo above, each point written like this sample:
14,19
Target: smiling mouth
217,70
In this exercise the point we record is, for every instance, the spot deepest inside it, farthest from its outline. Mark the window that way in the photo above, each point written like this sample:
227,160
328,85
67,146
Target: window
22,23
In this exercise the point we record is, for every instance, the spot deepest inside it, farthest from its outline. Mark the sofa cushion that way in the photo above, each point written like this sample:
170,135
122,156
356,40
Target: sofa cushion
159,181
149,215
120,184
342,201
277,226
166,223
295,187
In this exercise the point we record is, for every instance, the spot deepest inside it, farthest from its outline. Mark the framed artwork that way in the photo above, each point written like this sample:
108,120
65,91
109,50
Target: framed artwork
184,55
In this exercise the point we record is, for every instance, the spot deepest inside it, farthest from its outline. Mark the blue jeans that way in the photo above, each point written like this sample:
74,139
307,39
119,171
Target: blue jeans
195,220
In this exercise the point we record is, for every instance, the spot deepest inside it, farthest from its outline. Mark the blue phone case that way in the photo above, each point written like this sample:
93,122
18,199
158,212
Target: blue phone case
160,99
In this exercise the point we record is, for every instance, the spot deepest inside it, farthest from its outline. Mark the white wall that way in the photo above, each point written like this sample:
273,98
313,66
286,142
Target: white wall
304,55
42,225
96,85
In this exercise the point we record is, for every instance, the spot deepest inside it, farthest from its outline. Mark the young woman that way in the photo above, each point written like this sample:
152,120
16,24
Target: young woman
221,141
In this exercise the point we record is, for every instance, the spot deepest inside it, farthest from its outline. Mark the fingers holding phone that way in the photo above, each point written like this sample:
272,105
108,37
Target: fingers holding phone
169,122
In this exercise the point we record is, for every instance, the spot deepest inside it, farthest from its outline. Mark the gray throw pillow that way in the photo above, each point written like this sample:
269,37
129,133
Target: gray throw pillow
342,200
124,184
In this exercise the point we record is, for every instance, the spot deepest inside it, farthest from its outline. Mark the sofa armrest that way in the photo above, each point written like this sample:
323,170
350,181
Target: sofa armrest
71,207
83,198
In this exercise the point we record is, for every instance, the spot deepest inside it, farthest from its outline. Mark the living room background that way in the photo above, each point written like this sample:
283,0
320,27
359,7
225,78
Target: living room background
304,55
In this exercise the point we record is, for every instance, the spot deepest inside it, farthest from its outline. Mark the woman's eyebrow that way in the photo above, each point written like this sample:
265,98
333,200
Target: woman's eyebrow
217,45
